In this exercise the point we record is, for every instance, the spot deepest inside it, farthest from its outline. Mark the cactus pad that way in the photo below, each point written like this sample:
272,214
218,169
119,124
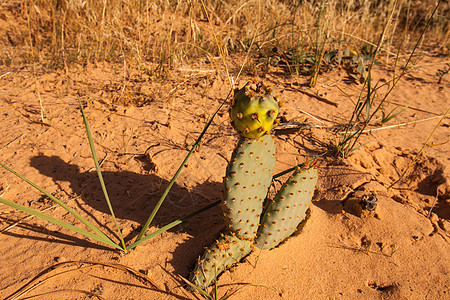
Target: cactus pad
254,110
247,180
225,252
287,209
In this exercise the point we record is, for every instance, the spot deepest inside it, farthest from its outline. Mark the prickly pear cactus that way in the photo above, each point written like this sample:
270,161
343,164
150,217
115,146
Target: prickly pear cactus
287,209
226,251
247,180
254,111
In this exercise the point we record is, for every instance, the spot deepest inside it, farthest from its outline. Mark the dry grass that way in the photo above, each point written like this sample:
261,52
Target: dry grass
162,34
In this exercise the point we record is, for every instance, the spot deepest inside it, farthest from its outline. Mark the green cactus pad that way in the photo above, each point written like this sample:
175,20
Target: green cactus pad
254,110
225,252
287,209
247,180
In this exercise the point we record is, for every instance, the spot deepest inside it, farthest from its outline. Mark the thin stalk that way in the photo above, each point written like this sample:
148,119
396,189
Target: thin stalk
24,219
297,166
398,125
219,45
100,176
321,38
171,183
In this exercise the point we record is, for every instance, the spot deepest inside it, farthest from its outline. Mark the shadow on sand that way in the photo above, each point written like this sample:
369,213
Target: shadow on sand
133,196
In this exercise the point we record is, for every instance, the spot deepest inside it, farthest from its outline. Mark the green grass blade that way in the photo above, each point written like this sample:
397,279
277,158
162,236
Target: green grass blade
216,297
196,288
357,147
173,224
100,176
171,183
43,216
62,204
393,114
369,94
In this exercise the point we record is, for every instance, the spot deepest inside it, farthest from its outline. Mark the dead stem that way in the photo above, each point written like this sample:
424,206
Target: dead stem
91,294
15,139
434,203
396,125
79,265
416,158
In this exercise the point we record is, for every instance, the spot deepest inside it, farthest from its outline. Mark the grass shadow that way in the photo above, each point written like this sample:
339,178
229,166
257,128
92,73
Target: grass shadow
58,237
133,195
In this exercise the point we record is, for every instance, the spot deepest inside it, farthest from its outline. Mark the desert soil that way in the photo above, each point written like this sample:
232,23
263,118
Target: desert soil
143,128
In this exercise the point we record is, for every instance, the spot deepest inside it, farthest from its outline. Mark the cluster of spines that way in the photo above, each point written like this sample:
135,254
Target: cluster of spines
254,110
288,208
226,251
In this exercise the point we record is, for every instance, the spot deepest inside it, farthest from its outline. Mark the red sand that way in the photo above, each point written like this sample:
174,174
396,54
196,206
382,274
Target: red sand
400,251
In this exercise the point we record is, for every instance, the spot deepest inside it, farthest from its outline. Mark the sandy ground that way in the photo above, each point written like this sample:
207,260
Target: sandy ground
143,129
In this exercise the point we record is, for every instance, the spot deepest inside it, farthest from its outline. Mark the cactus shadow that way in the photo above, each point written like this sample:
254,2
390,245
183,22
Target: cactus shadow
133,196
303,139
204,229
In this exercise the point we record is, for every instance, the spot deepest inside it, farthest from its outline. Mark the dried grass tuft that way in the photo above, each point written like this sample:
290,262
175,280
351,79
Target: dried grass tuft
164,34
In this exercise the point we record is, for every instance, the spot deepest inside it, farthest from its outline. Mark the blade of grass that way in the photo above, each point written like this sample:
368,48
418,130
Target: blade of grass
100,176
171,183
216,297
399,125
218,44
171,225
321,40
63,205
24,219
59,222
87,293
196,288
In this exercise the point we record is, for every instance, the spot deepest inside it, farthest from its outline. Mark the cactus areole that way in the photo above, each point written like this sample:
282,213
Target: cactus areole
254,111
